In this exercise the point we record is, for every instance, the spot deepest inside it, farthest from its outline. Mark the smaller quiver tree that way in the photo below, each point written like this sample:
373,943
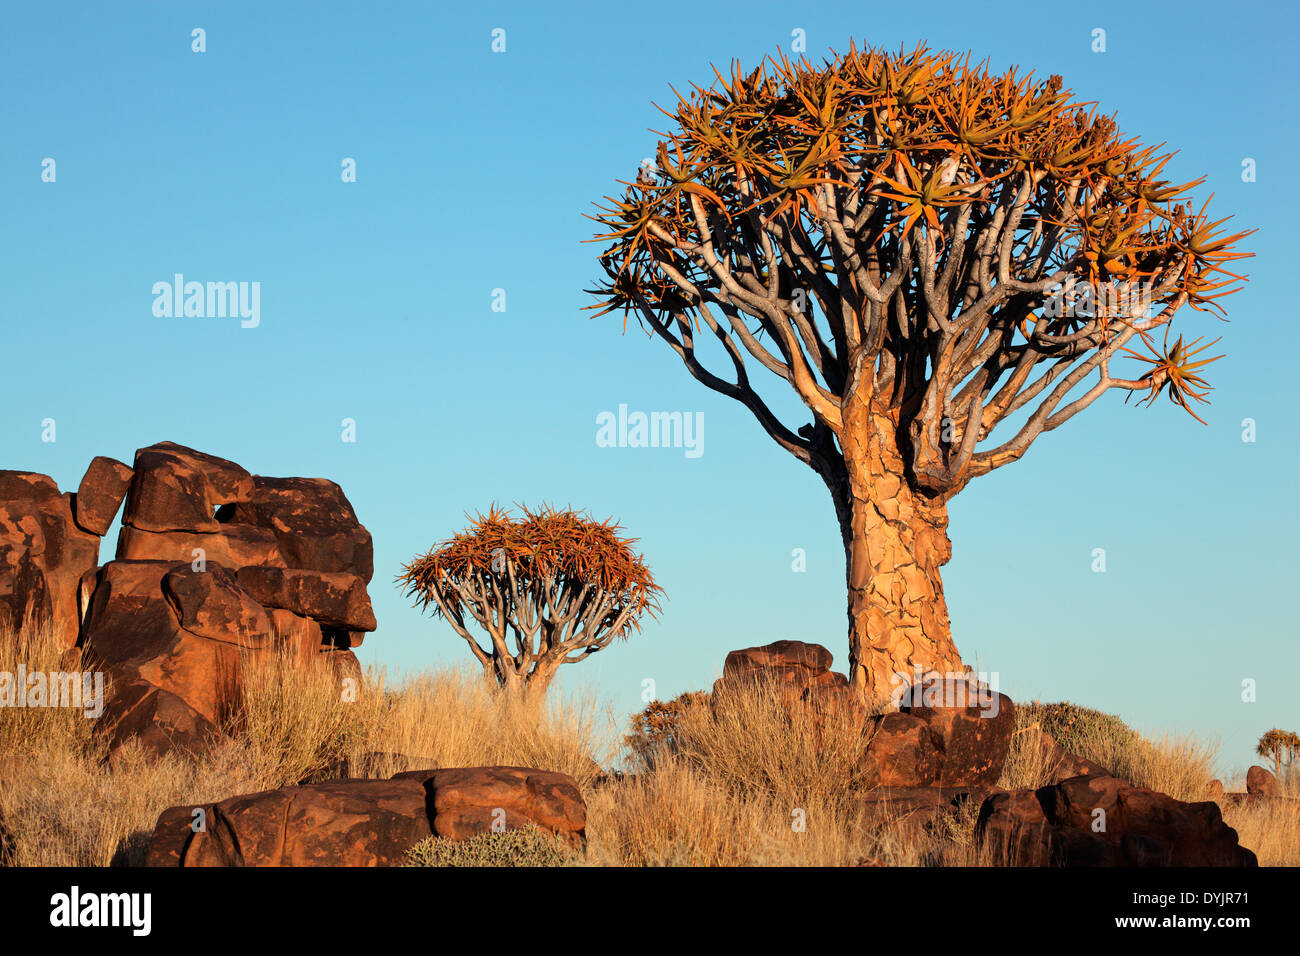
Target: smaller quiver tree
1281,747
551,588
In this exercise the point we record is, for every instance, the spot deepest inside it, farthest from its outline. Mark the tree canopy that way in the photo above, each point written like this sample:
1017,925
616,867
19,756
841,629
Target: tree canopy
980,243
551,587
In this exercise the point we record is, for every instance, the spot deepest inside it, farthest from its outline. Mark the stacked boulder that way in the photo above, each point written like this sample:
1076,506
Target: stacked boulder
213,565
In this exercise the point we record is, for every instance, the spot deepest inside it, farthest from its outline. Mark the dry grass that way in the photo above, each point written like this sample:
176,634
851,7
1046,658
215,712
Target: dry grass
749,743
724,788
676,816
26,731
745,784
751,783
1269,827
1180,766
1028,763
453,719
64,806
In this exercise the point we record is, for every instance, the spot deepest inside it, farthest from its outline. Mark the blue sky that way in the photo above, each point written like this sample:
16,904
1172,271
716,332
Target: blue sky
474,172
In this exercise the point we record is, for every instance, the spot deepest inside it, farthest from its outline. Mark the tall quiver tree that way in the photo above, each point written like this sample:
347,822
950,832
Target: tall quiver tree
549,588
924,251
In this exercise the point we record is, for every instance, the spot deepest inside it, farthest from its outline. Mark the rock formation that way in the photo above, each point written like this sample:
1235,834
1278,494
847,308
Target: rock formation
213,565
945,748
1100,821
367,822
44,552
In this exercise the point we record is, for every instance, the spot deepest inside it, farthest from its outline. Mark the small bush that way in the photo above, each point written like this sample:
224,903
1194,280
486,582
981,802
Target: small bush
523,846
1073,726
1180,766
653,737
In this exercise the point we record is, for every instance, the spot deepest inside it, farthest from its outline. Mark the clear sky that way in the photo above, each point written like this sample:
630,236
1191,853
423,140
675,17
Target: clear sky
474,170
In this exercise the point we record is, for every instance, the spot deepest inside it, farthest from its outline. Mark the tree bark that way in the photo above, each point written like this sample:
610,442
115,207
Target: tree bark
539,681
895,541
505,674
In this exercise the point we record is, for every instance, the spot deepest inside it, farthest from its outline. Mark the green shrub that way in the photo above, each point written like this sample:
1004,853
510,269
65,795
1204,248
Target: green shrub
1180,766
524,846
1071,725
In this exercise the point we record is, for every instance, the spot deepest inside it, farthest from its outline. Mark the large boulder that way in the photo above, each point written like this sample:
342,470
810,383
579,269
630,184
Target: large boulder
780,655
467,802
129,619
179,489
1260,782
313,522
972,726
366,822
948,732
100,494
43,555
343,823
212,565
157,720
793,668
211,604
134,630
1101,821
903,751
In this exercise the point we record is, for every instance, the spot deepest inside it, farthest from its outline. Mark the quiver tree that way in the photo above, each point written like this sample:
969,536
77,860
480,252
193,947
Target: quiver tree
942,263
552,588
1281,747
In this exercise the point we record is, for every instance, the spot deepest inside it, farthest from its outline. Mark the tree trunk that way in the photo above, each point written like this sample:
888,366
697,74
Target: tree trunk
895,541
539,681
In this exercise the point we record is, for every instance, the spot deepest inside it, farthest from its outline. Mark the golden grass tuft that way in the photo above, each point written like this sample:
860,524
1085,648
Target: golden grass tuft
454,718
26,731
1269,827
749,742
